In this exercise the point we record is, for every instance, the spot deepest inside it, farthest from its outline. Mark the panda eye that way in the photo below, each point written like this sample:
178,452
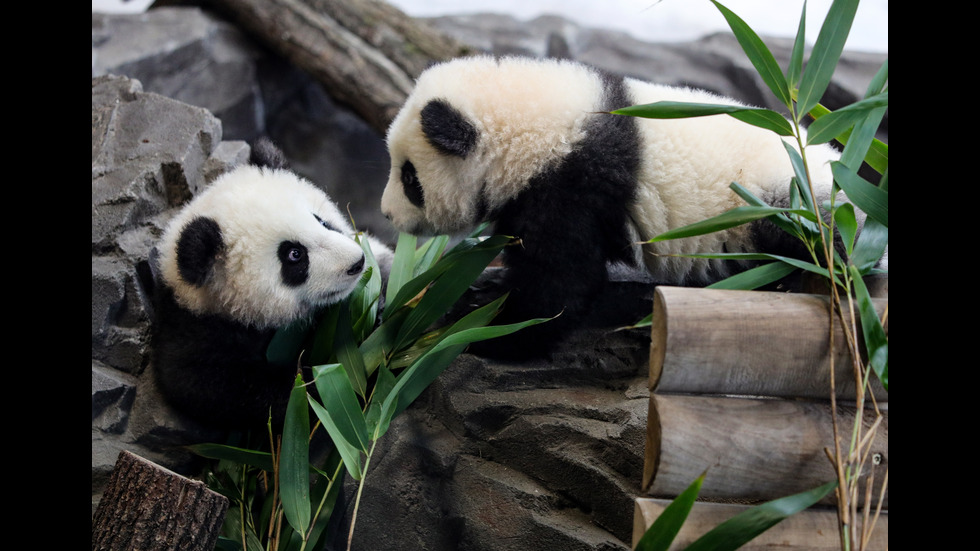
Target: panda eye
411,185
294,255
324,223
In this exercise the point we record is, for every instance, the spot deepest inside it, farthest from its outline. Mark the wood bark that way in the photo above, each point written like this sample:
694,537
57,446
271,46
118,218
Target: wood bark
366,53
707,341
812,529
146,507
754,449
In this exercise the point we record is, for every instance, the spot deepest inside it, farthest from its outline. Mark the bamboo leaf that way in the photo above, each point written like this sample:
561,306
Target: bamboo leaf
756,116
350,454
662,532
743,527
348,354
294,470
460,271
429,253
825,53
758,54
755,277
321,351
725,220
377,417
866,196
242,456
877,155
401,265
286,343
419,375
870,247
340,401
795,68
875,339
847,225
835,123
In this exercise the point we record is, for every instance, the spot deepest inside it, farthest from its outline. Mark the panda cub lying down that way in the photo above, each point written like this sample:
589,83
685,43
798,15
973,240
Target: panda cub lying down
526,144
258,249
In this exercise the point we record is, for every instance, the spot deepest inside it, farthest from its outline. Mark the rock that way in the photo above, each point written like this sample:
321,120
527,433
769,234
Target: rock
149,155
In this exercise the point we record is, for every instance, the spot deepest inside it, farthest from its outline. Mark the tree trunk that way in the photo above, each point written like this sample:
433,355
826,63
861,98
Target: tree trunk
366,53
146,507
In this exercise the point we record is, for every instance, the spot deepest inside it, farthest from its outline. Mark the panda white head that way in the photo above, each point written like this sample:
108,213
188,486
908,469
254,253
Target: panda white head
260,246
473,133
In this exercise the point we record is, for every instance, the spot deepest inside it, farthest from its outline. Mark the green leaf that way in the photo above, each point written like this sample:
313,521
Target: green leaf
743,527
322,349
286,344
348,354
760,56
795,68
460,270
866,196
469,329
870,247
381,343
242,456
877,155
448,262
401,265
728,219
835,123
825,53
847,225
429,253
756,116
662,532
875,339
378,417
294,470
340,402
755,277
350,454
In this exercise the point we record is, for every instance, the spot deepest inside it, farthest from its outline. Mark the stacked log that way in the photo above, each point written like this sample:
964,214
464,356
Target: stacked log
740,388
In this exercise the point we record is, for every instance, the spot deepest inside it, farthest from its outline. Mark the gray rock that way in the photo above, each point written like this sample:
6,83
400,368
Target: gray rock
149,155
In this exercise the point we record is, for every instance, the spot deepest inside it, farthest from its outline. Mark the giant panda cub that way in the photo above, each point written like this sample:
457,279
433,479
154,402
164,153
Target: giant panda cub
258,249
526,144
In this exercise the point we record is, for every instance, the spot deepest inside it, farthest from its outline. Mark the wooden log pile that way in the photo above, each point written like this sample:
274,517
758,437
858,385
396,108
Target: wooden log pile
740,387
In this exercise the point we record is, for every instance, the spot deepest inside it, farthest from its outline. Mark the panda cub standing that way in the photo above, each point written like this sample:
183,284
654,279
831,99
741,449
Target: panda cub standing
258,249
527,144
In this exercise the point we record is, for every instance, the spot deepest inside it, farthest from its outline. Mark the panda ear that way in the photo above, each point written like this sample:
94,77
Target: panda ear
447,130
197,250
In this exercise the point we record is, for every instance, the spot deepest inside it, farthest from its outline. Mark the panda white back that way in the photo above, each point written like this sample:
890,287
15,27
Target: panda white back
686,169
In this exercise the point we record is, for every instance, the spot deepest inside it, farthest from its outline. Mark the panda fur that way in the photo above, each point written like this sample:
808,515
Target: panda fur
528,145
258,249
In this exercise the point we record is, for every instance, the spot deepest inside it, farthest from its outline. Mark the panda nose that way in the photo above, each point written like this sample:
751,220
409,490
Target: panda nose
356,267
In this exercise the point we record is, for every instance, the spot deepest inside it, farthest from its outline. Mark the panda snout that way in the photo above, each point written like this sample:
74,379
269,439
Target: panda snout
356,267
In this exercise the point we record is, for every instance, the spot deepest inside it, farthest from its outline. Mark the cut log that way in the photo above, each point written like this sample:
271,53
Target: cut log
708,341
146,507
754,450
812,529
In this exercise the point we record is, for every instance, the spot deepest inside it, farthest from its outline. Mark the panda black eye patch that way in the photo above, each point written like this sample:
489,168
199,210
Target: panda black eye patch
294,262
411,185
